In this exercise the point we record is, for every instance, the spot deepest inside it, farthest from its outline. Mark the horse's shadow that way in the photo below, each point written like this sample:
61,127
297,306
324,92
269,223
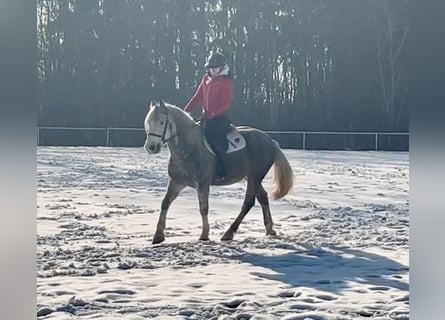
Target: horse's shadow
332,270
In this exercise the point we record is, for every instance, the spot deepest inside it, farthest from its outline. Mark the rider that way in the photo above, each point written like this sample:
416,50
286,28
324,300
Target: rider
214,94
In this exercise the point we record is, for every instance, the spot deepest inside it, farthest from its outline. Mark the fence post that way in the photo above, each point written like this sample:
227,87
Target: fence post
376,142
38,136
304,140
108,137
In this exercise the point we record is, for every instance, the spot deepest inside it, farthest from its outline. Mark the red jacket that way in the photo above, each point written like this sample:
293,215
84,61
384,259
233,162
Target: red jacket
213,94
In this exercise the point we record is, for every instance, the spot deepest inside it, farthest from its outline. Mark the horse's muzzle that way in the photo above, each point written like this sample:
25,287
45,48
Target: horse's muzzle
152,148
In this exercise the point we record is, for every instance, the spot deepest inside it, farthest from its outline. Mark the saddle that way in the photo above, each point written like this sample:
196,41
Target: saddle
235,140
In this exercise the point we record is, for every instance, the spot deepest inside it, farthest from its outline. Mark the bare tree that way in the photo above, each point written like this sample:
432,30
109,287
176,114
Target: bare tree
391,20
298,64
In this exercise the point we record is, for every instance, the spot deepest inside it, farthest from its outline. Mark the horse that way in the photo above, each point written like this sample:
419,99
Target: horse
192,163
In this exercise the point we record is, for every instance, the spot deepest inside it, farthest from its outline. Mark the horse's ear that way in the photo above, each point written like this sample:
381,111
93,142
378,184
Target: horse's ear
162,104
152,104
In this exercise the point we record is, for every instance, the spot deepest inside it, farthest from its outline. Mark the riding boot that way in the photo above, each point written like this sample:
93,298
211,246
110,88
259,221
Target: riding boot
220,170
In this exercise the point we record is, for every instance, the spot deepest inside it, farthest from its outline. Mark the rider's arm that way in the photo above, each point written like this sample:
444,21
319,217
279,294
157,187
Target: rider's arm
197,98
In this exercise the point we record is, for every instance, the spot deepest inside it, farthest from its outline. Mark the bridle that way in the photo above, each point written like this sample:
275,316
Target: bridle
164,130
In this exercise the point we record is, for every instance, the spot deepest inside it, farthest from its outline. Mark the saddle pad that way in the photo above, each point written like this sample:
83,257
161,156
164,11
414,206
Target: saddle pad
235,140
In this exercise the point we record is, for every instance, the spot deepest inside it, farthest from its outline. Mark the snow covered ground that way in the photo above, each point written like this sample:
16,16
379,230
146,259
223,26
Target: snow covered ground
342,250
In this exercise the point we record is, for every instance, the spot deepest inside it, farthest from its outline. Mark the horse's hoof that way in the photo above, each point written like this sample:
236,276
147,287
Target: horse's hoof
227,236
203,238
271,233
158,239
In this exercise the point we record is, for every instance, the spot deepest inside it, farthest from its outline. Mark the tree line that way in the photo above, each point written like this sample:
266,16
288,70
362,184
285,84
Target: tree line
318,65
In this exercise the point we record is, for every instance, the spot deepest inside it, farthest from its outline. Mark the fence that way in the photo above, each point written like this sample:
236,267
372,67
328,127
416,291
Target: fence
307,140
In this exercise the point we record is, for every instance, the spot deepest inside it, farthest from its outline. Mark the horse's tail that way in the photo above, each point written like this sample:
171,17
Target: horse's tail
283,176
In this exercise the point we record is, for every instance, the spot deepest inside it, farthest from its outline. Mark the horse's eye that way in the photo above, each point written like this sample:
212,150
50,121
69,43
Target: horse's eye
162,122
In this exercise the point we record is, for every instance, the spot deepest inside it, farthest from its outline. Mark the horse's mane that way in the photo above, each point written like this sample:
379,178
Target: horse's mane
179,114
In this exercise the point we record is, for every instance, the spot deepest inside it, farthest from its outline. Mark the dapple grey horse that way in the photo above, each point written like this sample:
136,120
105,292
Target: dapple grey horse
192,164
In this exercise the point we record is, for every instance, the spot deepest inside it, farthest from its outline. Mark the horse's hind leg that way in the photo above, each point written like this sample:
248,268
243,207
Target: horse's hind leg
203,197
263,199
248,203
173,190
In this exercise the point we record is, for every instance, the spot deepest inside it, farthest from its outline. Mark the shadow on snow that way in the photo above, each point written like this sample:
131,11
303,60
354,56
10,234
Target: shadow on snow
331,269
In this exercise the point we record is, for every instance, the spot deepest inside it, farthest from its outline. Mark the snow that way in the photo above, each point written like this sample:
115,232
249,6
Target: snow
342,250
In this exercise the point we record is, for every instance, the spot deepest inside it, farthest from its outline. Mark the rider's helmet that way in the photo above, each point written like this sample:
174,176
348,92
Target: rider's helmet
215,60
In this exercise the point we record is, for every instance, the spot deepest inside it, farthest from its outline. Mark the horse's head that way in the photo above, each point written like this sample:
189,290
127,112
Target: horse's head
157,127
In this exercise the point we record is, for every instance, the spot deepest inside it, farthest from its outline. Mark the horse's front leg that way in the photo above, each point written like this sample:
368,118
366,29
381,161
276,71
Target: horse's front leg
203,197
173,190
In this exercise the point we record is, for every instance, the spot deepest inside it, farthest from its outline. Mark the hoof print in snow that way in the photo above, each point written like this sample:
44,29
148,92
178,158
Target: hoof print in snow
44,312
233,303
